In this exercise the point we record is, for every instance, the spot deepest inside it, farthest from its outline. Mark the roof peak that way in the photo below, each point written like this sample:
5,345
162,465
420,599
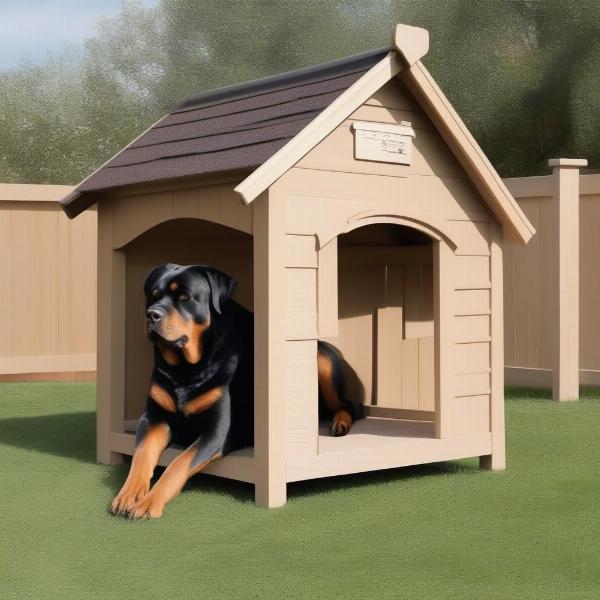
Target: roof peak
306,75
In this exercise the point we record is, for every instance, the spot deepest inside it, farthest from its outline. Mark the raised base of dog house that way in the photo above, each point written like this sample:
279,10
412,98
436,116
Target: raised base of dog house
373,443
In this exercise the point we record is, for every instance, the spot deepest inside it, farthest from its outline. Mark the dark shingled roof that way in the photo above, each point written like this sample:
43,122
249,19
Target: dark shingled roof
235,128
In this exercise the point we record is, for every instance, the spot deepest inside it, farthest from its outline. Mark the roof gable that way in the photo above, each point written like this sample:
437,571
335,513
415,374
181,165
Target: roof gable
266,126
404,62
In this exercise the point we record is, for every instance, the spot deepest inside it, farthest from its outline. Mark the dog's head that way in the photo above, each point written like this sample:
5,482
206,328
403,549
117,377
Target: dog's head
181,301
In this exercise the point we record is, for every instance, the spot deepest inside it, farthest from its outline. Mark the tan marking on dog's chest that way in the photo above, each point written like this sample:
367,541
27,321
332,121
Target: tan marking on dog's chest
203,402
192,351
176,326
162,398
169,354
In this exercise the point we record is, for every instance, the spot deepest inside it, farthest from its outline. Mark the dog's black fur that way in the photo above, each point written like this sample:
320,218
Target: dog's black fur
226,360
202,296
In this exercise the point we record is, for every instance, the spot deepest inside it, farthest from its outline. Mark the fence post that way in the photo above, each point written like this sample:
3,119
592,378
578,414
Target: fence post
565,204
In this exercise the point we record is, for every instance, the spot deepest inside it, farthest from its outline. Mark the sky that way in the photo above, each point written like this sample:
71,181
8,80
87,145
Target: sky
29,29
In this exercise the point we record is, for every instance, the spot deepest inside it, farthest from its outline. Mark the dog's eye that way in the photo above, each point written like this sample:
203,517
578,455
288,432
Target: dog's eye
184,297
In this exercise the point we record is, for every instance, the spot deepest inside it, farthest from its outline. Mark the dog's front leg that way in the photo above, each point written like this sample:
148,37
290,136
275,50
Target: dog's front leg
189,462
154,440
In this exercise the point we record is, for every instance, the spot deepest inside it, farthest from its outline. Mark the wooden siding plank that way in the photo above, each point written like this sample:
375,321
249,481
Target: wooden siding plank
471,328
389,358
317,200
301,251
471,357
426,374
471,302
410,373
327,290
336,153
301,304
468,416
471,272
473,384
302,396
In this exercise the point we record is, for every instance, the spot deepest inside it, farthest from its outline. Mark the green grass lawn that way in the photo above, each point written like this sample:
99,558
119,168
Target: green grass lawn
440,531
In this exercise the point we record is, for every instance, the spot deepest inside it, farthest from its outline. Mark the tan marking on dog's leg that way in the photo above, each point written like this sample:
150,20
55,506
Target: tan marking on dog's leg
203,401
162,398
342,420
169,485
169,354
145,459
325,370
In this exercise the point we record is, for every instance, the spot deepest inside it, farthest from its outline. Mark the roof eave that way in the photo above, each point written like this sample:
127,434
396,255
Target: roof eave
516,226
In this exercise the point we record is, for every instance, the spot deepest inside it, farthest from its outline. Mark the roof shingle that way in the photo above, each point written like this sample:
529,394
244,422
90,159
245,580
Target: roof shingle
236,128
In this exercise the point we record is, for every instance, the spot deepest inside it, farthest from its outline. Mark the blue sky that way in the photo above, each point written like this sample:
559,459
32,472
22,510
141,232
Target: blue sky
29,29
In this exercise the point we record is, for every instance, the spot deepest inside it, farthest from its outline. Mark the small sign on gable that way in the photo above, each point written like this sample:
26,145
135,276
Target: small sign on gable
383,142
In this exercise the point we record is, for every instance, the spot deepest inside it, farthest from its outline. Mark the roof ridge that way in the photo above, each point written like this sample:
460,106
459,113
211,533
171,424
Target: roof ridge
280,81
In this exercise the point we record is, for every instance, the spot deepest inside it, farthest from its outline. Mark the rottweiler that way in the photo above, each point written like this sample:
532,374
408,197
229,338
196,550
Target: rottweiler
201,388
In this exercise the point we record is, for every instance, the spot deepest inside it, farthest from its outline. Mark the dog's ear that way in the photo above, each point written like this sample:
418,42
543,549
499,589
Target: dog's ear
156,273
222,287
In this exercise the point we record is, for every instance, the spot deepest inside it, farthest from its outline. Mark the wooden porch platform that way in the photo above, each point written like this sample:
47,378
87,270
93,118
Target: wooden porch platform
373,443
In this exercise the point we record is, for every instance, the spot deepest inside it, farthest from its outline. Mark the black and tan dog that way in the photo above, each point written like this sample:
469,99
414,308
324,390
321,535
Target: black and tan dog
202,383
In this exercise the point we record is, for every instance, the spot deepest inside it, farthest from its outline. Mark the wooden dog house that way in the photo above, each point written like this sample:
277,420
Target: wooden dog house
351,204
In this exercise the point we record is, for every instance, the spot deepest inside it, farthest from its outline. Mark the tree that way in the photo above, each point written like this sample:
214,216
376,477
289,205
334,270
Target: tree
521,73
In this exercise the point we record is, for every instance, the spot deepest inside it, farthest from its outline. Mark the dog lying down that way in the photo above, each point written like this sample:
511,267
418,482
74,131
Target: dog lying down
201,389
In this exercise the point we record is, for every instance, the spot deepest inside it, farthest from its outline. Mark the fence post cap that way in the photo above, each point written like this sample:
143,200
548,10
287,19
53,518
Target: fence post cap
575,163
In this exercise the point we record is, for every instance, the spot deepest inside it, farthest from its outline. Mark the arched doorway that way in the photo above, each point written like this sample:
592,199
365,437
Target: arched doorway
182,241
386,315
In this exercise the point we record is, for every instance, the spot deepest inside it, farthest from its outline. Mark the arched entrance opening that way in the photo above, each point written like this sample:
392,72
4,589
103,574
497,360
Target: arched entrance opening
182,241
386,316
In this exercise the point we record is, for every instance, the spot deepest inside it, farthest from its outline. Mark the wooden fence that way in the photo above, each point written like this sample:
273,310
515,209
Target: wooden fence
552,285
47,286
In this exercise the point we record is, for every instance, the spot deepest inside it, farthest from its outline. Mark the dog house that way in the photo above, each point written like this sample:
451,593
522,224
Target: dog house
351,204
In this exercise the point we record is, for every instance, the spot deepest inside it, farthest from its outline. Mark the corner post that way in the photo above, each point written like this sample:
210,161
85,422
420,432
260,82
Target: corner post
269,351
565,204
496,461
443,294
110,389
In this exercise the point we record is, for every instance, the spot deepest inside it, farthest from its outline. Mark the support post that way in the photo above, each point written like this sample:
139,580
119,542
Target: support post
443,294
269,352
565,203
496,461
110,386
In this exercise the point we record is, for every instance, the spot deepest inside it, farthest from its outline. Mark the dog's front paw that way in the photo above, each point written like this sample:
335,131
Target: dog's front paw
342,421
149,507
130,493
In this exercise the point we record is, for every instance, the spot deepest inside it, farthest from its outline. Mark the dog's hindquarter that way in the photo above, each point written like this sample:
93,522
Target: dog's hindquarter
241,387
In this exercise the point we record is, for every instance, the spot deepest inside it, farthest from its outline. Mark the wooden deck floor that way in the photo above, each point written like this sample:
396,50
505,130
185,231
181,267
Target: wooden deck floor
373,443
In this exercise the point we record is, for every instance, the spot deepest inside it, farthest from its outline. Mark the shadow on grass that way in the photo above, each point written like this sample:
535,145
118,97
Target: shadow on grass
208,484
71,435
244,492
523,393
312,487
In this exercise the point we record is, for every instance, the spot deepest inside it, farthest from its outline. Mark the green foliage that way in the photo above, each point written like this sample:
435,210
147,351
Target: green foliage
522,73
